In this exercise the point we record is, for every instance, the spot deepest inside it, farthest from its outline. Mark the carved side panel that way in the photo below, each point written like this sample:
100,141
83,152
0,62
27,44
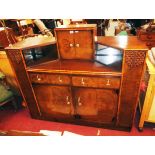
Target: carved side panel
16,60
15,56
134,58
134,62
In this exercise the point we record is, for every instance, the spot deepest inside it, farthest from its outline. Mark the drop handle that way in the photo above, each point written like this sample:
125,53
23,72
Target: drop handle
67,100
77,45
79,101
60,80
38,78
82,81
108,82
71,45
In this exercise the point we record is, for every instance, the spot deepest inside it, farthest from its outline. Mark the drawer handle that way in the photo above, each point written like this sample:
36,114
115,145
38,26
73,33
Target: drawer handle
71,45
76,31
38,78
60,80
77,45
149,37
67,100
79,101
108,82
82,81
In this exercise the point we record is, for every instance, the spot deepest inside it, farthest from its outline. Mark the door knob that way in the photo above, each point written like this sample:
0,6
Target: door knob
71,32
71,45
77,45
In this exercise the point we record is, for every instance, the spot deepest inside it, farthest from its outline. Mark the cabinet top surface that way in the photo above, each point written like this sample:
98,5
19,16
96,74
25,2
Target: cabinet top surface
123,42
74,67
76,26
33,42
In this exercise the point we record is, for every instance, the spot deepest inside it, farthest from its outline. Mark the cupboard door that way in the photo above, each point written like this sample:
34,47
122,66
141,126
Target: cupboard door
55,101
65,41
96,105
84,44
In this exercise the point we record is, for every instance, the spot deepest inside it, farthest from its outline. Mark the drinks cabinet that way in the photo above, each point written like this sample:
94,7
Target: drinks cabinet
80,78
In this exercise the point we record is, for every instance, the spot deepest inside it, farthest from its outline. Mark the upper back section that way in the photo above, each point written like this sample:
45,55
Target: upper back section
76,41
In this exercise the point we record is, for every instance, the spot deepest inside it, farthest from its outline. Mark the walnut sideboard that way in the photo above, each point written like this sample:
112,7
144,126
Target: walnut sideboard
80,81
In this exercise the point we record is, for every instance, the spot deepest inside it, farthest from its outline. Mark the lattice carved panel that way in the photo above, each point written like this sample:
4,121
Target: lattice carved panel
15,56
134,58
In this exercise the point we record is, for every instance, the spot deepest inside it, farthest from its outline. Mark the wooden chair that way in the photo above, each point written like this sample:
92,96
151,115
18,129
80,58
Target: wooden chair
6,95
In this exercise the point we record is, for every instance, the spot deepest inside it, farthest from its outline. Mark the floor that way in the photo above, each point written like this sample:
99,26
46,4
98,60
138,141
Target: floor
21,121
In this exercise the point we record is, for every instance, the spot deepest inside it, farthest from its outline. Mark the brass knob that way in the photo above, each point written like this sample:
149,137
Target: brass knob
77,45
71,45
71,32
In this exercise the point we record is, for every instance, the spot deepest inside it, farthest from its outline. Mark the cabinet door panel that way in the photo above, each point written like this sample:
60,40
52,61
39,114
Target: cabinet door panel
84,44
65,41
96,105
54,100
107,104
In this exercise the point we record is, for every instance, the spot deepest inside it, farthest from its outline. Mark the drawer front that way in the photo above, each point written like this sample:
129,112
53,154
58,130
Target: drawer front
150,43
147,36
101,82
49,78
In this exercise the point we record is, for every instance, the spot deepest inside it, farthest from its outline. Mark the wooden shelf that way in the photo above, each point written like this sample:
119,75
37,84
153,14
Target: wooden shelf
74,67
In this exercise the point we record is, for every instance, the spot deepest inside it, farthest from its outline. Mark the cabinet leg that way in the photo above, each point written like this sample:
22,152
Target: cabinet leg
140,129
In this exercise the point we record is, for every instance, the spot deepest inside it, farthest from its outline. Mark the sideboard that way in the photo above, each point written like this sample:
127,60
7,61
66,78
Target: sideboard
80,78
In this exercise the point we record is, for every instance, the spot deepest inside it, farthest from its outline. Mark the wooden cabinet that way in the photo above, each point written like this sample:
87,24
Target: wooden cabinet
76,97
97,87
96,105
54,101
76,43
6,68
147,96
147,36
96,82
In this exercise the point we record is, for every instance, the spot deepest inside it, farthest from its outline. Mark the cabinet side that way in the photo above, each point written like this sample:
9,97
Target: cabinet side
133,68
17,62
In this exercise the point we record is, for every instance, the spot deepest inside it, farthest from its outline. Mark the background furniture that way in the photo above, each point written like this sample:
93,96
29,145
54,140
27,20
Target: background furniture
10,76
147,96
7,37
147,36
6,95
82,86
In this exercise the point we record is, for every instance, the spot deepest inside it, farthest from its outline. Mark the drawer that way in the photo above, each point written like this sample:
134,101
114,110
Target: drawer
147,36
96,82
150,43
49,78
